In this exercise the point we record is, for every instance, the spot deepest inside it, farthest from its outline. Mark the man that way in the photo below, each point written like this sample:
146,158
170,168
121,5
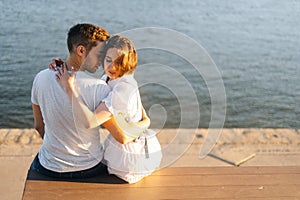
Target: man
66,152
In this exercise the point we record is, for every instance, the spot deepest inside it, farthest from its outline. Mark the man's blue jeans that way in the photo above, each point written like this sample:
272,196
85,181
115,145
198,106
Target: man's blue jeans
88,173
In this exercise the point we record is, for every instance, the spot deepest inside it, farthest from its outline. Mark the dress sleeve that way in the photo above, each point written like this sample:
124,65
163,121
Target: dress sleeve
104,77
118,99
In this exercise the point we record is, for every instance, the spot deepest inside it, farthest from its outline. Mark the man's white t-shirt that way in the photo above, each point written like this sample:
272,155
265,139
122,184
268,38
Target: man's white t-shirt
67,146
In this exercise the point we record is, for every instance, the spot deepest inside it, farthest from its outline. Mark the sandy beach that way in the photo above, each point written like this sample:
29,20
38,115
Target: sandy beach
243,147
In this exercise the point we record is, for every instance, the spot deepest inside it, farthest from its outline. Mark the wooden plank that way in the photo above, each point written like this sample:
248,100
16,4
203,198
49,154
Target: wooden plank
230,170
188,181
166,192
182,183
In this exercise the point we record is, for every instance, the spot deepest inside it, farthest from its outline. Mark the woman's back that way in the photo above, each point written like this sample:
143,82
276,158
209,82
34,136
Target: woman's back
125,98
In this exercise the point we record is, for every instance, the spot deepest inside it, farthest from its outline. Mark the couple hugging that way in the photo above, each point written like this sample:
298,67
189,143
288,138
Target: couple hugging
69,107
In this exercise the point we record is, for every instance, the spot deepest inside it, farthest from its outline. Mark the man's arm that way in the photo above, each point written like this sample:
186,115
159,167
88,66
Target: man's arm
38,120
145,119
112,126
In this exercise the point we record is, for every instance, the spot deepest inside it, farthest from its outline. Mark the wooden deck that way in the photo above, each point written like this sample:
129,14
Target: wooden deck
180,183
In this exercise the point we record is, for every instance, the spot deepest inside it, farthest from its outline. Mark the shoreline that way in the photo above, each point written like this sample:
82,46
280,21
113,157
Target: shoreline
284,136
183,146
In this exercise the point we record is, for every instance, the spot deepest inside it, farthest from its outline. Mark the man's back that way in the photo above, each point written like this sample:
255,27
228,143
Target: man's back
67,146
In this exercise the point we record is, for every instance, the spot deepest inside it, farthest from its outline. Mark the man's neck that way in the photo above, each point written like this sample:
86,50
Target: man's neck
73,62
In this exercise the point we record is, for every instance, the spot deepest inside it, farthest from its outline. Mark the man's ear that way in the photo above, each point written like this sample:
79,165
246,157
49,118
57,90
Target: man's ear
81,50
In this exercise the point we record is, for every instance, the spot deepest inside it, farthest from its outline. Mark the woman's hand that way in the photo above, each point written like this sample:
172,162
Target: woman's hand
55,64
67,81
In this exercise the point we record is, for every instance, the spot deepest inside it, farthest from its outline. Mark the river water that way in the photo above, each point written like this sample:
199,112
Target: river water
254,44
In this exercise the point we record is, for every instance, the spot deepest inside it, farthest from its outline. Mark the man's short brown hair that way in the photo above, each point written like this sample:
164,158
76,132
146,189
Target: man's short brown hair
86,35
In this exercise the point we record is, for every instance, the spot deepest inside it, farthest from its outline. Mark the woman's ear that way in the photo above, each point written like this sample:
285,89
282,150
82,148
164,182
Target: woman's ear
81,50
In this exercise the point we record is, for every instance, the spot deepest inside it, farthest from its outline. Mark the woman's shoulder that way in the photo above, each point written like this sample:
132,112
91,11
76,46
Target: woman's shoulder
125,83
103,77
